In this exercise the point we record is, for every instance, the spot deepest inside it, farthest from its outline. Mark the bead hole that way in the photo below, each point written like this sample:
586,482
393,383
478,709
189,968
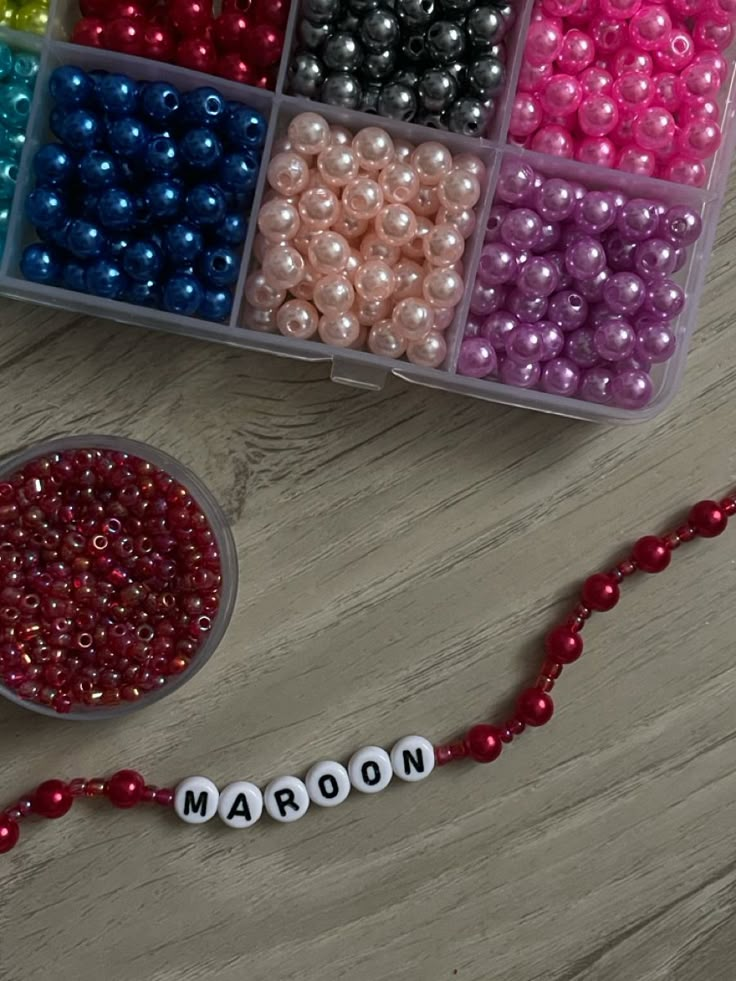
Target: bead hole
145,633
680,45
219,263
252,129
84,641
576,301
213,104
416,44
171,101
23,105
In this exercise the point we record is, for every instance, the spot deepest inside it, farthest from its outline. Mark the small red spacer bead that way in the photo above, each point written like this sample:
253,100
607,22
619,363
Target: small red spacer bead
507,733
553,669
483,743
52,799
544,683
125,788
95,788
563,644
708,519
165,797
729,506
672,540
148,795
78,787
626,568
534,707
9,833
686,533
600,592
651,554
442,755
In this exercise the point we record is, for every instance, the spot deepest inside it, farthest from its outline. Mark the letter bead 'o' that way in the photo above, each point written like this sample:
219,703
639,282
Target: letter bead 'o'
328,783
370,770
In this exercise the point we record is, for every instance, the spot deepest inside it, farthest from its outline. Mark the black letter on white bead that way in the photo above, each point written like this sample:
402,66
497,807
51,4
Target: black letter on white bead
412,758
196,799
286,799
241,804
328,783
370,769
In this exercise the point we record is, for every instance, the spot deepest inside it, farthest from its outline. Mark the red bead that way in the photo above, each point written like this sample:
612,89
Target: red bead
198,55
686,533
230,32
234,67
534,707
165,797
600,592
264,45
442,755
125,34
124,8
274,12
651,554
125,788
190,17
9,833
92,8
484,743
708,519
158,42
88,31
729,506
240,6
52,799
563,644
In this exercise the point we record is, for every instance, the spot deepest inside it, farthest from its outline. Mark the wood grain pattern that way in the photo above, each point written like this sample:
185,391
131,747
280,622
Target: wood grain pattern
400,554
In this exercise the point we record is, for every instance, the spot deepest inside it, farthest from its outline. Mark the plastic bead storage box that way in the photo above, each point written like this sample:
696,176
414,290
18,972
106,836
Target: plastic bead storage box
563,291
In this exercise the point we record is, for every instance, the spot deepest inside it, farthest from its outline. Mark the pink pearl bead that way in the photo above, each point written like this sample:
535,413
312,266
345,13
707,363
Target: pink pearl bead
609,35
578,51
288,173
328,252
443,317
372,247
350,226
682,170
337,165
699,139
703,109
533,78
403,150
278,220
319,208
628,59
459,189
374,148
544,42
464,220
339,330
654,129
443,288
385,341
261,320
650,27
260,294
333,294
555,140
561,95
309,133
429,352
596,81
374,280
414,249
413,318
635,160
710,33
297,318
472,163
620,9
526,115
666,93
396,224
399,182
432,161
561,8
283,267
677,53
443,246
696,82
597,115
596,150
633,92
362,198
426,203
520,375
409,279
370,312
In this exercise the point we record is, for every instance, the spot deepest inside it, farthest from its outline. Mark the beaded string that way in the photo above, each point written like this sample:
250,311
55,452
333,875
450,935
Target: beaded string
196,799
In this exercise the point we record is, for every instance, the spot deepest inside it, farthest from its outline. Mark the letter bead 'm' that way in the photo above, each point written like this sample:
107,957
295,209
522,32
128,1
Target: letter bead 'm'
195,800
328,783
241,804
286,799
370,769
413,758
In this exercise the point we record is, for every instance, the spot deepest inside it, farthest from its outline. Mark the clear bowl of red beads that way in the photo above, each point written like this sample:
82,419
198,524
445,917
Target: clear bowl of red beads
118,576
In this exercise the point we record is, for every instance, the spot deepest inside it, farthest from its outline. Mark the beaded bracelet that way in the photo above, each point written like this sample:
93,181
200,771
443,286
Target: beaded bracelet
328,783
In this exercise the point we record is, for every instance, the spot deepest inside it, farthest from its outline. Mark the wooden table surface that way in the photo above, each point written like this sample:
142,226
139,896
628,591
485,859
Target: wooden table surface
401,555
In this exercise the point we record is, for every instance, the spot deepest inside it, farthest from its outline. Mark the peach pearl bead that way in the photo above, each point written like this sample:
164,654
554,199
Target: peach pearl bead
415,248
297,318
373,147
302,241
362,198
260,294
333,294
341,136
260,244
403,151
473,164
340,330
443,288
355,261
443,317
278,220
464,220
372,247
305,289
350,227
288,173
409,279
369,312
443,246
309,133
318,208
282,144
413,318
399,182
337,165
374,280
429,352
432,162
360,341
283,266
328,252
396,224
385,341
426,203
458,190
258,319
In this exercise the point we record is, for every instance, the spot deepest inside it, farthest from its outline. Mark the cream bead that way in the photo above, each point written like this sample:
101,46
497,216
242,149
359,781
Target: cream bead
362,198
415,248
429,351
443,246
412,758
328,252
403,150
431,161
297,318
328,783
370,770
286,799
443,317
305,289
409,279
263,321
373,147
355,261
260,294
339,330
349,226
396,224
333,294
319,208
426,203
458,190
278,220
369,312
283,267
413,318
385,341
374,280
472,163
463,219
288,173
443,288
241,804
196,799
309,133
399,182
340,136
372,247
337,165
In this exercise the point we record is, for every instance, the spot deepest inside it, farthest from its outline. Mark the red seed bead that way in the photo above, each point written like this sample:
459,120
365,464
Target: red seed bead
483,743
52,799
190,17
165,797
651,554
563,644
600,592
708,519
728,504
125,788
88,31
686,533
9,833
534,707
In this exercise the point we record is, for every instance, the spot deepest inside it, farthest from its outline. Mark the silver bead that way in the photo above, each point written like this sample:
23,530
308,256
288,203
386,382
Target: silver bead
397,101
362,7
369,100
468,116
508,15
451,8
350,22
380,29
321,11
486,77
437,89
433,120
342,53
313,36
406,76
416,13
379,64
484,27
341,89
445,42
306,75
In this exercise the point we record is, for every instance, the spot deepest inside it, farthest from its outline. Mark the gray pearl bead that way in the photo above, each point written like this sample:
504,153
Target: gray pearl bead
445,41
306,75
508,14
414,49
486,77
453,8
342,53
416,13
380,29
379,64
432,120
350,22
458,71
436,90
484,27
406,76
397,101
362,7
321,11
313,36
341,89
369,101
468,116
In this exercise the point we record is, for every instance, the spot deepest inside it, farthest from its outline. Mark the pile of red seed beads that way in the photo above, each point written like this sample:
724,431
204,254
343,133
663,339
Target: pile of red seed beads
482,743
110,579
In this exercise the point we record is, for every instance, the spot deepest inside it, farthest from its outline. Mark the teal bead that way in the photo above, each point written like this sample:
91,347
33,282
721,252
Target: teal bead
25,67
15,104
17,139
4,219
8,177
6,61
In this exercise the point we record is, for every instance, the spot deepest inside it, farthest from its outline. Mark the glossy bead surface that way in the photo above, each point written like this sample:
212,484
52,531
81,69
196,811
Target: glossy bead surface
534,707
196,800
125,788
370,770
327,783
240,804
52,799
563,645
708,519
286,799
483,743
600,592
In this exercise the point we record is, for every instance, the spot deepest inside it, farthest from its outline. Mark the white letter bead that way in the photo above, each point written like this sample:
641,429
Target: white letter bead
241,804
328,783
413,758
286,799
370,769
195,800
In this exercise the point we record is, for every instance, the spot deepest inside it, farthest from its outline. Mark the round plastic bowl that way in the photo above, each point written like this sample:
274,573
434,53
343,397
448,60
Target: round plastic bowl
228,566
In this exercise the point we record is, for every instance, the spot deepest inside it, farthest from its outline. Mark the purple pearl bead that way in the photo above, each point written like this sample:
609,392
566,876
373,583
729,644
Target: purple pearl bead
620,251
514,182
477,359
493,227
655,257
560,377
472,326
637,362
632,389
569,234
681,225
595,385
595,212
531,194
527,308
680,259
497,264
525,343
564,279
548,237
664,298
600,312
585,258
497,327
580,348
592,289
568,309
654,340
624,292
555,199
553,340
485,299
638,219
519,375
537,277
521,228
614,339
578,190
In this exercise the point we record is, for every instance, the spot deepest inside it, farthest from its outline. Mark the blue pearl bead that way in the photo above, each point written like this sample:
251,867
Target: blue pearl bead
216,305
200,148
106,279
127,137
117,246
183,244
116,209
232,230
53,164
45,208
159,101
143,261
239,171
8,177
162,156
219,267
205,205
117,94
245,128
40,264
79,129
89,205
147,294
203,106
182,295
85,240
97,169
74,277
15,104
6,60
165,198
70,87
26,66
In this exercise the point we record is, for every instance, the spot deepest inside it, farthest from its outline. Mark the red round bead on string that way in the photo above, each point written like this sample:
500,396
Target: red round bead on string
600,592
708,519
650,554
534,707
563,644
483,743
125,788
52,799
9,833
